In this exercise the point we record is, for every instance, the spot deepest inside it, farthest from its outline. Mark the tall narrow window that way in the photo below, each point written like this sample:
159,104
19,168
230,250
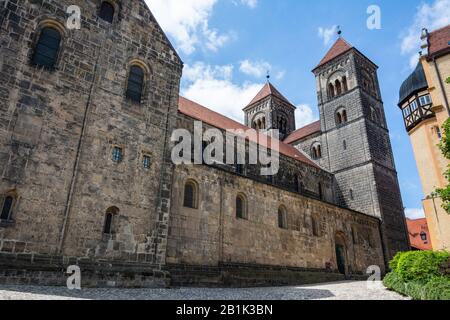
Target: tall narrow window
135,84
47,48
282,218
106,12
190,195
338,87
241,207
7,208
344,84
108,227
315,227
330,91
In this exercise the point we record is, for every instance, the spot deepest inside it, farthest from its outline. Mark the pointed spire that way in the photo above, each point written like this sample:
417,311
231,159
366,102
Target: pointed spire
339,47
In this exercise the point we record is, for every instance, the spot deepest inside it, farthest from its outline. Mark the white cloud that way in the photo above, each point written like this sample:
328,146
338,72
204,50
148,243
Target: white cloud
415,213
304,115
326,34
249,3
187,21
257,69
213,87
431,16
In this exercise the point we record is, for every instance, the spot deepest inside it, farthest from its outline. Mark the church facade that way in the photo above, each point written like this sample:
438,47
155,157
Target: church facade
87,179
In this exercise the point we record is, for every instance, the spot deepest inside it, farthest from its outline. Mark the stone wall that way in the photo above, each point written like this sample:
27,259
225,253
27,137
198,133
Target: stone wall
58,128
212,235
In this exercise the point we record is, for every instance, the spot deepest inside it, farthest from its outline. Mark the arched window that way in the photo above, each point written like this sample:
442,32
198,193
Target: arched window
282,218
344,84
316,151
241,207
338,87
330,90
315,227
190,195
47,48
111,213
106,12
341,116
135,85
344,144
7,207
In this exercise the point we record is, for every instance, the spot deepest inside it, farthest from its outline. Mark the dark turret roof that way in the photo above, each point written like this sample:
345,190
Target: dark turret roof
414,83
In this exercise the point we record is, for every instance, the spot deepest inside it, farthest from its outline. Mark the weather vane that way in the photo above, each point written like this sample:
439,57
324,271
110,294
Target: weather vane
339,31
268,76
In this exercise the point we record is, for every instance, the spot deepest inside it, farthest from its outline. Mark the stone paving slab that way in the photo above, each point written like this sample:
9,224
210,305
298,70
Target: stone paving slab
348,290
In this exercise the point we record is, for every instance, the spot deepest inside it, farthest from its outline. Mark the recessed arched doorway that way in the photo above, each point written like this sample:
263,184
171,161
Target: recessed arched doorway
341,253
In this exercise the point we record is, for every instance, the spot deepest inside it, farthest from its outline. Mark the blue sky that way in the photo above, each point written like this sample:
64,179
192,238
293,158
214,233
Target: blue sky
228,46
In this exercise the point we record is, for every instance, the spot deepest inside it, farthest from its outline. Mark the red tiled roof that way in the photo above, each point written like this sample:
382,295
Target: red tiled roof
339,47
439,40
201,113
415,229
266,91
303,132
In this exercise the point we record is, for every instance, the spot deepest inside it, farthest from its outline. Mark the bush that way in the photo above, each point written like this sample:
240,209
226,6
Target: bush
420,275
438,289
420,266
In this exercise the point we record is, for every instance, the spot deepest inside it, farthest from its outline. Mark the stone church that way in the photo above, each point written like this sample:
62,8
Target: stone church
86,118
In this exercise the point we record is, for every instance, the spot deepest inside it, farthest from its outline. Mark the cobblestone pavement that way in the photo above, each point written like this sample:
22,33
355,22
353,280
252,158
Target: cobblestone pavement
349,290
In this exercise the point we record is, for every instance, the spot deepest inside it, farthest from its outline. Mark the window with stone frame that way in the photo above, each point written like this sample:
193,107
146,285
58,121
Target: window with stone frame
282,218
241,207
47,48
315,225
190,195
146,161
110,216
7,207
135,85
117,154
106,12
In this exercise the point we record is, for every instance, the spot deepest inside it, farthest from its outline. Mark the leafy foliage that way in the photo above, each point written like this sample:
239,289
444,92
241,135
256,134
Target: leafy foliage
444,193
420,275
421,266
447,80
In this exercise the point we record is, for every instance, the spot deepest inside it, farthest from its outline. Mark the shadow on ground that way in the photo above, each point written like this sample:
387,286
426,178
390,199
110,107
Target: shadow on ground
57,293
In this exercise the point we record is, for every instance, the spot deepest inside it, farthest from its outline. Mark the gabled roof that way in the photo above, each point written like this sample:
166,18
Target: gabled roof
415,229
266,91
303,132
439,41
201,113
339,47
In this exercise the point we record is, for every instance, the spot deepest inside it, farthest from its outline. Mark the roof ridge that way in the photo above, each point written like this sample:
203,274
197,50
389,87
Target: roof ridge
268,90
339,47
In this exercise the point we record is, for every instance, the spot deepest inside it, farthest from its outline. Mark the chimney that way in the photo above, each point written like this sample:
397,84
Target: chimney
425,44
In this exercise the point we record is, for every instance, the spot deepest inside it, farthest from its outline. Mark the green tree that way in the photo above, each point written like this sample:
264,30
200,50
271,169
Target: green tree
444,145
448,80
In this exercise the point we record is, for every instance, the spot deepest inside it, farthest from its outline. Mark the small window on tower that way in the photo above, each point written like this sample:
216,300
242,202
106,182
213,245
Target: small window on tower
117,154
146,162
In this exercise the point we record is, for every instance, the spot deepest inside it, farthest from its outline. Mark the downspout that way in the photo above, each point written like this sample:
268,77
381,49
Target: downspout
78,157
441,85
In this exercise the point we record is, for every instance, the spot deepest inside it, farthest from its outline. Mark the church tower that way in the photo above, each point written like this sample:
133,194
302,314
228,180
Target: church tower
270,110
355,140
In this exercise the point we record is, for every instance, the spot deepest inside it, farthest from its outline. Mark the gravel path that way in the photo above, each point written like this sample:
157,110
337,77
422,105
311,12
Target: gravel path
349,290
